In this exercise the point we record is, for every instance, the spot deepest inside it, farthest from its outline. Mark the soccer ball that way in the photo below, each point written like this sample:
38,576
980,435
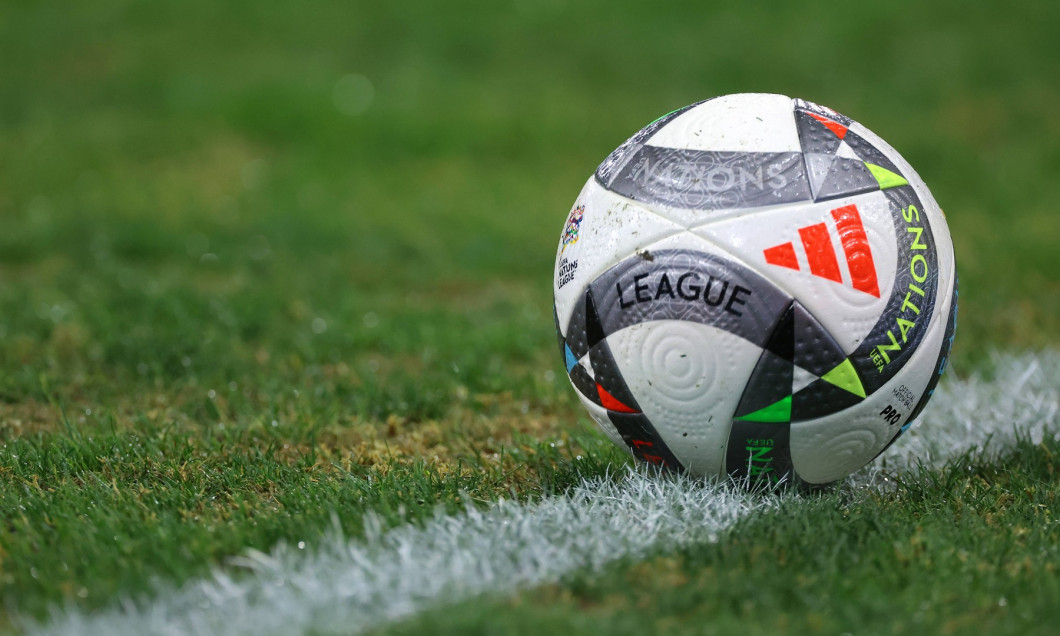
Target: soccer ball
755,286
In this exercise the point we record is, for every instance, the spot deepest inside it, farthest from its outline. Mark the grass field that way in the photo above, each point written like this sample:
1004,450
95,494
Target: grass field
269,269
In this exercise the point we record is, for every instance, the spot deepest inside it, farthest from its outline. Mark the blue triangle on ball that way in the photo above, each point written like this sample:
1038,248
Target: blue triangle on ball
569,356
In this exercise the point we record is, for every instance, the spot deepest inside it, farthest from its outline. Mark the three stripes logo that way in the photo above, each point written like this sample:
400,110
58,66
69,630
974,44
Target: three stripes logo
820,254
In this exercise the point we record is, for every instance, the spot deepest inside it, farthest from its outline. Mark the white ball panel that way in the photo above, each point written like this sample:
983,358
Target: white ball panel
612,228
749,122
687,379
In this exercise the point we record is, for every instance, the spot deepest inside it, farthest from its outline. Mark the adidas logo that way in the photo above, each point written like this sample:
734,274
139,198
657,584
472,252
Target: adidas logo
821,257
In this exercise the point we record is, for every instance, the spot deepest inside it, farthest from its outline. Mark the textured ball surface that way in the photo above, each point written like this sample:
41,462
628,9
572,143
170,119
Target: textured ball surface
755,286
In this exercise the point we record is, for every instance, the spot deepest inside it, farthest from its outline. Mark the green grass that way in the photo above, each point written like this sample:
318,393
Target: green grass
229,308
93,517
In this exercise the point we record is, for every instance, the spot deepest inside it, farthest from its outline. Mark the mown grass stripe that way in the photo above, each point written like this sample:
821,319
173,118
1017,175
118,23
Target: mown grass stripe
350,586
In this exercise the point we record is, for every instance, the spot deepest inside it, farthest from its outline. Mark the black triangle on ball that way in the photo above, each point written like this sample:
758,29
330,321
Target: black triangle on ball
782,339
594,331
769,382
581,380
820,398
815,349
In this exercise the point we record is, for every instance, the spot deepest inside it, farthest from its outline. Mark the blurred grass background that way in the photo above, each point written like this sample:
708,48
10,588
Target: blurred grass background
286,219
181,184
